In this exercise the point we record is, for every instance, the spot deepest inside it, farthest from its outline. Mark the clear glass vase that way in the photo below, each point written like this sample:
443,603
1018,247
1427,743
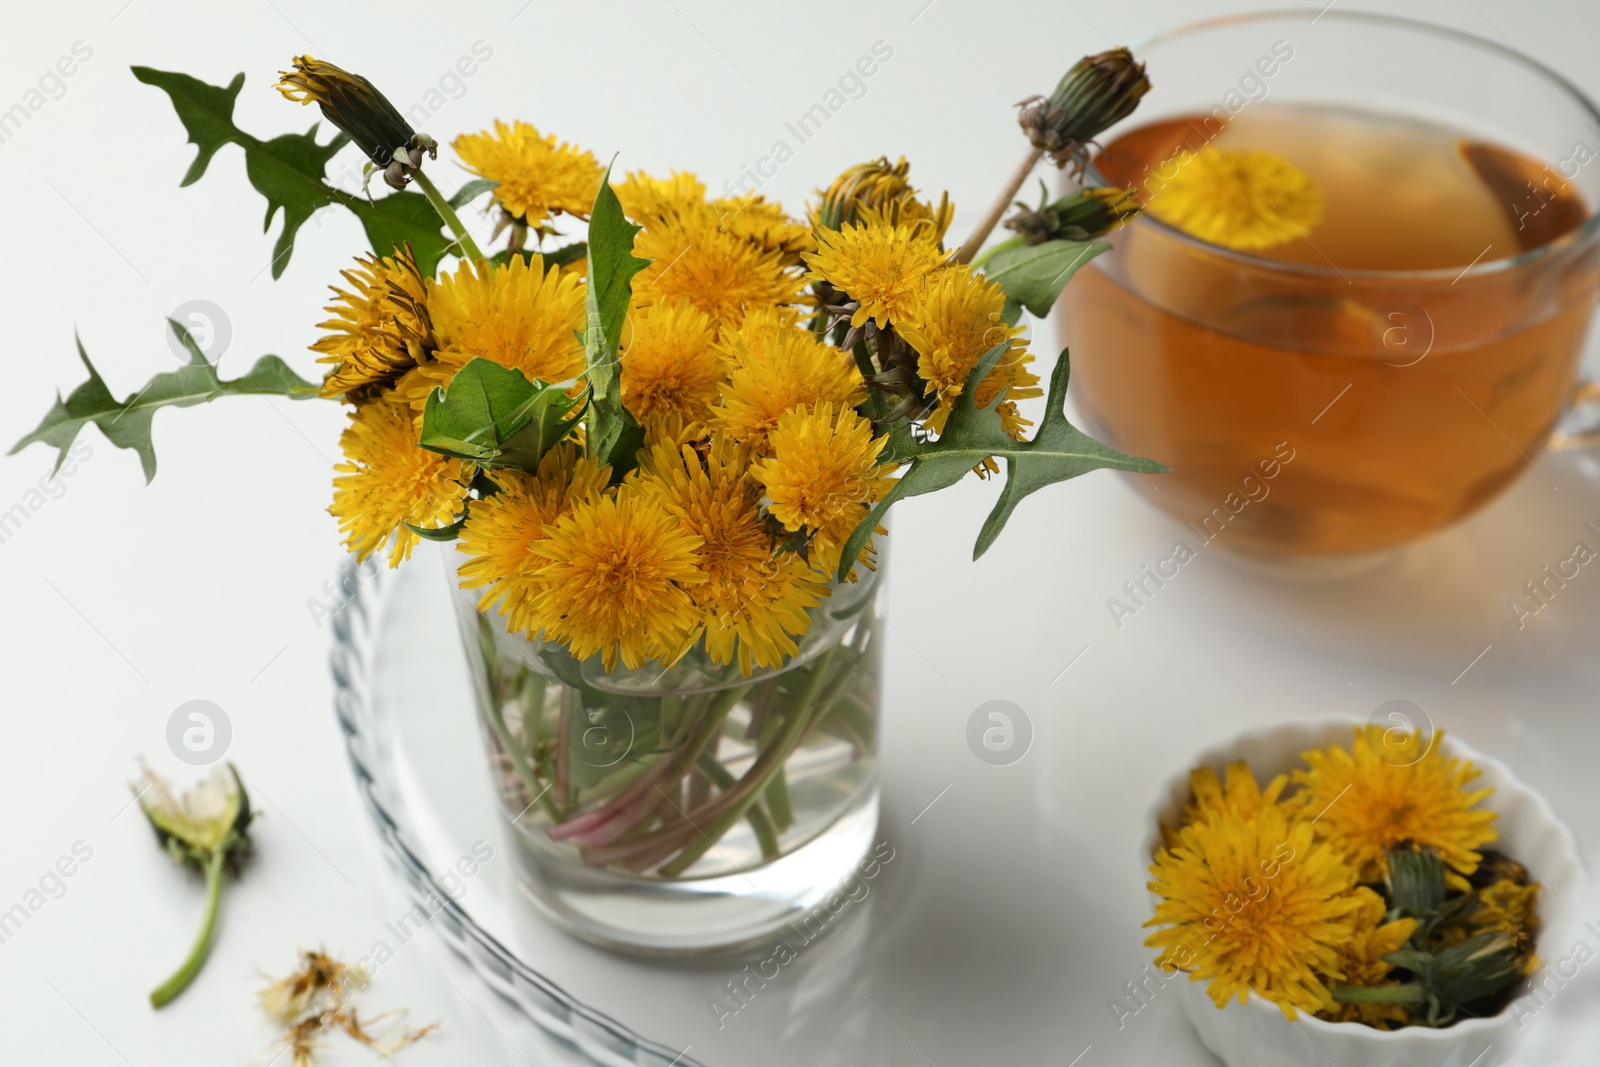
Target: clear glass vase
684,809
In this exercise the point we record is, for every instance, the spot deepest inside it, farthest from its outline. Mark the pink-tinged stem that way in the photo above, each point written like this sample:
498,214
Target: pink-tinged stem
620,816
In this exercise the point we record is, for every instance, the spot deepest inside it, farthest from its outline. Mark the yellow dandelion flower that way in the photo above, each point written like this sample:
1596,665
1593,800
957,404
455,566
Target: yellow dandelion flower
1254,905
501,528
756,330
681,197
879,266
716,270
880,190
1237,794
617,580
387,481
538,175
775,369
670,364
647,200
753,604
764,224
673,429
956,319
1393,787
823,475
518,315
1363,966
1509,907
1242,200
380,327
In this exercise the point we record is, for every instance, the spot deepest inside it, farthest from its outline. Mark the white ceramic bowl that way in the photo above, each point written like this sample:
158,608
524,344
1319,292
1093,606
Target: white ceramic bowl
1255,1034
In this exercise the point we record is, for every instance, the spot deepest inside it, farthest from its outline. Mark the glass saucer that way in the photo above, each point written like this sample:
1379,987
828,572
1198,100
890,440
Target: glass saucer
1002,922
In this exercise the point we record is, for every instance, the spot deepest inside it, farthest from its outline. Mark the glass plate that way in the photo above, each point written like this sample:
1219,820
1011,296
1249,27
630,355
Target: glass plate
1003,923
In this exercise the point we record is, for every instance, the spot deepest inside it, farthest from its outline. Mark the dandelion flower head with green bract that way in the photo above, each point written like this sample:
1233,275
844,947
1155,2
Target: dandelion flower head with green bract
539,176
776,369
1254,905
386,481
520,315
880,267
501,528
823,475
880,191
670,364
753,602
764,224
958,316
380,327
693,257
1393,787
617,579
649,200
1244,200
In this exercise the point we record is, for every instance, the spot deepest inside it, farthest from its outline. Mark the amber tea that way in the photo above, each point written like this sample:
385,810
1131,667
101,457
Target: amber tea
1405,350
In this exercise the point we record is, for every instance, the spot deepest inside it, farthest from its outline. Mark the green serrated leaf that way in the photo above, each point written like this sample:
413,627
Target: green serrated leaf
494,416
1034,275
288,171
612,266
126,423
1058,451
972,434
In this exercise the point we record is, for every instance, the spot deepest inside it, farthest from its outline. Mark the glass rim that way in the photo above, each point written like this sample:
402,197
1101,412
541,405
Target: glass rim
1584,232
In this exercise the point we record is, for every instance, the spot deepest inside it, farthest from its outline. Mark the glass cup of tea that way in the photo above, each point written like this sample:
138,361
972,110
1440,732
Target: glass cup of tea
1395,367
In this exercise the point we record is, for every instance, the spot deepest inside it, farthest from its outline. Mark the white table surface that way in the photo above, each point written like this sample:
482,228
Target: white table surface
124,601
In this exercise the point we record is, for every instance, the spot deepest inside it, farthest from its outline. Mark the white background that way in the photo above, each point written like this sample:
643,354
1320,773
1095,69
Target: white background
123,601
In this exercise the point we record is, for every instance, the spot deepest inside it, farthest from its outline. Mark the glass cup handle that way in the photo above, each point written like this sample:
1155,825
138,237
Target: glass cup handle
1580,425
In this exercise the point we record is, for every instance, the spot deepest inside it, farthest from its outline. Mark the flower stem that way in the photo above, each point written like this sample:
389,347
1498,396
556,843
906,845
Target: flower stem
448,213
168,991
986,225
1408,993
749,788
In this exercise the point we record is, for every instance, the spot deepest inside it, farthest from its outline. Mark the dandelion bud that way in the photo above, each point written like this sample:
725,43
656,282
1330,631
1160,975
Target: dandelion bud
351,103
1098,92
879,189
1082,216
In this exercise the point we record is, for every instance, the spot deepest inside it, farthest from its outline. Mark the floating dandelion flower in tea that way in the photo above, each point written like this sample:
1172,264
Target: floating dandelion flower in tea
1244,200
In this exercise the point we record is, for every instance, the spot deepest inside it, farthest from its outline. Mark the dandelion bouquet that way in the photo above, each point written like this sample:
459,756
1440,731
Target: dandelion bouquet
1357,888
663,430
